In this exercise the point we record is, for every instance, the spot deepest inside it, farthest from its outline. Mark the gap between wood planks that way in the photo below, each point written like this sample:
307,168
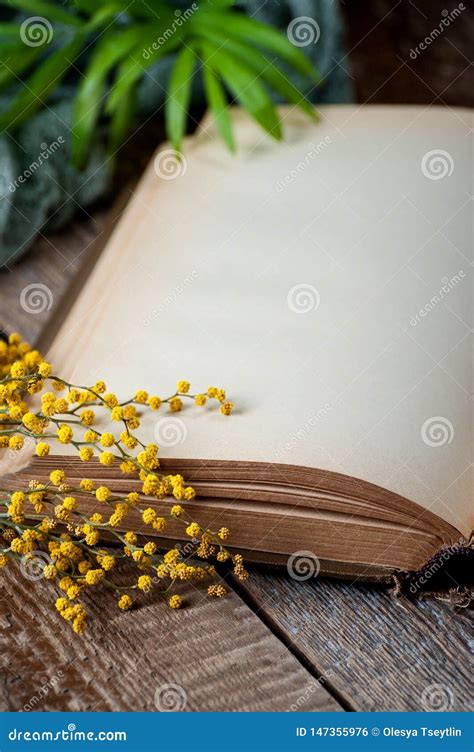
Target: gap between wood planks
252,602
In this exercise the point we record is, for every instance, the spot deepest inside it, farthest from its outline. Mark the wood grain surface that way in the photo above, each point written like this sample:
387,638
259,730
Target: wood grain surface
380,35
377,651
212,655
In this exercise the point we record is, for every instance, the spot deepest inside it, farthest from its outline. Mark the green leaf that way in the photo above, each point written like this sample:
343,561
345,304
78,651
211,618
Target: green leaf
178,96
139,59
111,48
102,16
233,24
16,61
246,88
9,31
219,106
50,11
151,9
88,6
36,88
267,71
220,3
122,119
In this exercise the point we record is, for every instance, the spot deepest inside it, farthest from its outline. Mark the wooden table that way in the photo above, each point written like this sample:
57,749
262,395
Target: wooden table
272,644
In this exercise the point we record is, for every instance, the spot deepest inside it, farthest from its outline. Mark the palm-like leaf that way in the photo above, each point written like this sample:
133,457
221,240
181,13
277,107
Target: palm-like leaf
134,66
218,104
233,24
40,84
179,95
15,61
111,48
45,9
235,54
246,87
265,69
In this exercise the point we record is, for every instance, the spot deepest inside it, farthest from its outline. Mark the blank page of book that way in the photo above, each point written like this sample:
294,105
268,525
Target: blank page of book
323,282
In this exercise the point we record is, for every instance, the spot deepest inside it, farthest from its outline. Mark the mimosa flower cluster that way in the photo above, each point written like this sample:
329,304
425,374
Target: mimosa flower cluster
49,517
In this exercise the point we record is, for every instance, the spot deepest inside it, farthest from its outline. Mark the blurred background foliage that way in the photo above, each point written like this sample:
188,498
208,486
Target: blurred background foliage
86,73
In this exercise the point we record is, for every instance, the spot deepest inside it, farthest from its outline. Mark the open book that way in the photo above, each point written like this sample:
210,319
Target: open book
325,283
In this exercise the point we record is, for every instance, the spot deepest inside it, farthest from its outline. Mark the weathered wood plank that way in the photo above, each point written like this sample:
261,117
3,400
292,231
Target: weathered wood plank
216,655
377,652
31,289
387,31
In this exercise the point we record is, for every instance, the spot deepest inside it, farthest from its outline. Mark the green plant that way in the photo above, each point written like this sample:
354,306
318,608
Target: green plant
120,41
